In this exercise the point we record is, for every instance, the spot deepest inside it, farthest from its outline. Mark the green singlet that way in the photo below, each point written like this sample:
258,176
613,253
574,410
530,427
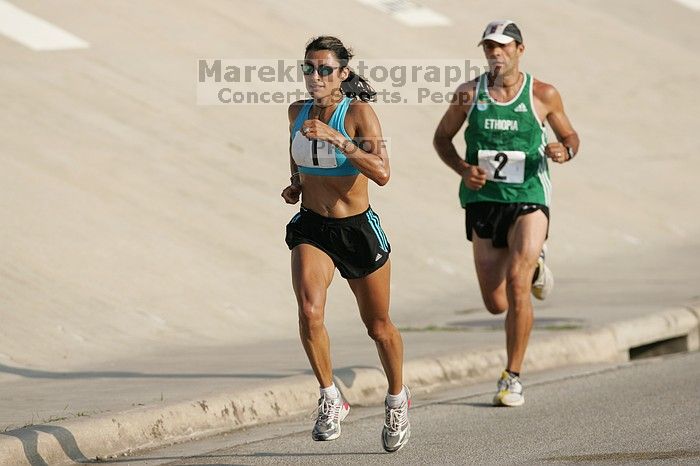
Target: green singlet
507,140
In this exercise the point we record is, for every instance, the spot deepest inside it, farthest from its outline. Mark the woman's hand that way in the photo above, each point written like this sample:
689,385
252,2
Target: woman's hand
316,129
291,193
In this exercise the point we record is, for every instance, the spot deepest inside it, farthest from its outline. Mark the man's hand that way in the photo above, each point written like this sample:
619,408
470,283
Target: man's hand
474,177
557,152
291,193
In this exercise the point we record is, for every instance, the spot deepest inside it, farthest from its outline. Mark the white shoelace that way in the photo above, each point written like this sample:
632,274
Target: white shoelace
328,409
514,385
396,418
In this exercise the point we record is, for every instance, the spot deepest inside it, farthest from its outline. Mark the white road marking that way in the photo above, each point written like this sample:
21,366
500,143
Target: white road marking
692,4
34,32
409,12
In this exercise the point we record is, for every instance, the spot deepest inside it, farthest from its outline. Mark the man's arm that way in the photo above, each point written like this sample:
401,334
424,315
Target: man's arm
449,125
560,124
453,119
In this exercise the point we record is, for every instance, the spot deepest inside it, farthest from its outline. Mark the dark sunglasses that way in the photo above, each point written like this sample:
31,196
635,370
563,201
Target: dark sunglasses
323,70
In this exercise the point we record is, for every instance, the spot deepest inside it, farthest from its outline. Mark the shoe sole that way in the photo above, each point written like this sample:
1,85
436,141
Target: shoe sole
343,415
498,402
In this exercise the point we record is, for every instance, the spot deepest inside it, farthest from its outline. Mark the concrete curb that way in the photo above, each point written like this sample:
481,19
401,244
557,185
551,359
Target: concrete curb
85,439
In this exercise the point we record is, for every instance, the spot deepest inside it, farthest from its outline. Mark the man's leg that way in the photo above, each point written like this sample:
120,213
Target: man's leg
490,264
491,268
525,240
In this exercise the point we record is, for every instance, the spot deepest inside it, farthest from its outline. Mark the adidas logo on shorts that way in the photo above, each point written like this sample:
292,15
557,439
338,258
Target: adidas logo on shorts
379,256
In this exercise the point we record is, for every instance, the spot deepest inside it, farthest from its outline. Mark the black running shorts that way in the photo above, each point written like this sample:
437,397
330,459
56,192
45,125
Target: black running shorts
357,244
492,220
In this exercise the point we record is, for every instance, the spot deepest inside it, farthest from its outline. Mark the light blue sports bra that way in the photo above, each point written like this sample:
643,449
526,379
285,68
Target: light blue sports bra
318,157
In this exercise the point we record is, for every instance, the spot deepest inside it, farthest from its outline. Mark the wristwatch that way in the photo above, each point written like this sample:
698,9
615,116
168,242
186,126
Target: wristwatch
570,151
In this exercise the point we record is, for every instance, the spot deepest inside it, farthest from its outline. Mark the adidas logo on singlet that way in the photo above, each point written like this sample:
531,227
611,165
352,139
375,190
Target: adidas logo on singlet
520,108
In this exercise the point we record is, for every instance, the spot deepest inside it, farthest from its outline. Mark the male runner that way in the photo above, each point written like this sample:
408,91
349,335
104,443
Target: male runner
505,186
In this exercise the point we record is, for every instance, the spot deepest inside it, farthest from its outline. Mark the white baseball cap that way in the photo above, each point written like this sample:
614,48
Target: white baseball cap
502,31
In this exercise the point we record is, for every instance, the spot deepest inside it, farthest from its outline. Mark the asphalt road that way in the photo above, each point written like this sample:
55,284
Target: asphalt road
642,411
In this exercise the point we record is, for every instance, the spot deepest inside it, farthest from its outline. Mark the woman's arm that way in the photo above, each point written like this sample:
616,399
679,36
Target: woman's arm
292,192
368,152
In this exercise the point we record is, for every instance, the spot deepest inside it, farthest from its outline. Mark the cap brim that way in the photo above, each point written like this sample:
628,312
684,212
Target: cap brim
500,38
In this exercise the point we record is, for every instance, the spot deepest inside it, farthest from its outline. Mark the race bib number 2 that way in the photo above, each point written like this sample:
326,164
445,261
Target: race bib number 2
506,166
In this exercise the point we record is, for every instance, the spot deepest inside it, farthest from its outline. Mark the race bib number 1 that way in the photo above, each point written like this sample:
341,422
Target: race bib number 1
506,166
313,153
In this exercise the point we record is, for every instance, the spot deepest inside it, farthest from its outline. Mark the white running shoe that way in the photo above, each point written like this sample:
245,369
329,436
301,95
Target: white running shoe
544,282
396,429
330,412
510,391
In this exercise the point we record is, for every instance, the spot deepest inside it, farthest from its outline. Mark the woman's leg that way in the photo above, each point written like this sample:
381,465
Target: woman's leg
312,273
372,294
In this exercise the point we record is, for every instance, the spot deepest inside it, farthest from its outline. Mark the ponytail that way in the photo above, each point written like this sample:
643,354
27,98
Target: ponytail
357,87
